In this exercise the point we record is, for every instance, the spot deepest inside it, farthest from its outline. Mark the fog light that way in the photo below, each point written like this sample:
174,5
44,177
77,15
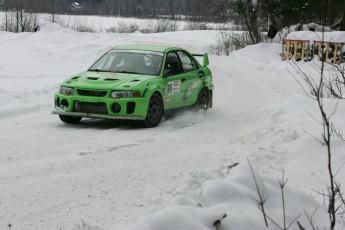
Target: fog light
130,107
57,102
64,104
116,107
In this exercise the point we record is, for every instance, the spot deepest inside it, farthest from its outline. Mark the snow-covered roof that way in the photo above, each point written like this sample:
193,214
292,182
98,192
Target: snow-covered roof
335,36
76,5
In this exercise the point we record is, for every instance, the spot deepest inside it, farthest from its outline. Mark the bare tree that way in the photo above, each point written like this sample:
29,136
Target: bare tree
154,8
334,193
172,9
249,10
6,19
261,199
342,25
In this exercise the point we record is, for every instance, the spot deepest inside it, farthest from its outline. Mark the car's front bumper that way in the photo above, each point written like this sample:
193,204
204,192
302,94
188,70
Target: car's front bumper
130,108
101,116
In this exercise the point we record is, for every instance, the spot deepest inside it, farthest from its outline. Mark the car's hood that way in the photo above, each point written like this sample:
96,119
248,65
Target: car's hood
106,80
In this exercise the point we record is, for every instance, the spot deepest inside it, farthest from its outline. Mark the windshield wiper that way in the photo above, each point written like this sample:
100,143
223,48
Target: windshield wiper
123,71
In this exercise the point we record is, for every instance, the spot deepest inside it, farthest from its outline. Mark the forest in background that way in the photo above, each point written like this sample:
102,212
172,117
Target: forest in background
254,16
284,12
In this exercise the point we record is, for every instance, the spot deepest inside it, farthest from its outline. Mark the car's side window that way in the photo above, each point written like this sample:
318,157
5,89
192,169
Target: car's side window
172,64
188,64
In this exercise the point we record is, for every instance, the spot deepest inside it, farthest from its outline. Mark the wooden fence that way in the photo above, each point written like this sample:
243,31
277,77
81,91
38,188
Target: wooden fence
305,50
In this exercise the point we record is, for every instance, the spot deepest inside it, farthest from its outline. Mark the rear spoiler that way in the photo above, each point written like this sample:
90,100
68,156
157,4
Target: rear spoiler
205,61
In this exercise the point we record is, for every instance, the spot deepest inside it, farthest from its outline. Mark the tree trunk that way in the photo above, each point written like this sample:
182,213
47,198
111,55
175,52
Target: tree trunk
154,4
249,28
342,25
21,17
251,21
53,11
6,19
330,13
17,28
172,9
270,8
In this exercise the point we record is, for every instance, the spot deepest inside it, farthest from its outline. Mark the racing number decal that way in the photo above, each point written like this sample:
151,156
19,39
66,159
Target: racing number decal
174,87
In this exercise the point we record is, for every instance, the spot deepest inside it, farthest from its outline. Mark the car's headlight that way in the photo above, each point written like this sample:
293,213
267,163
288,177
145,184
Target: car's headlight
66,90
125,94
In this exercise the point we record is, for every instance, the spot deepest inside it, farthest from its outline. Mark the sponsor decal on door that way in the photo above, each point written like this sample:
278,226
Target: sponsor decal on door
174,87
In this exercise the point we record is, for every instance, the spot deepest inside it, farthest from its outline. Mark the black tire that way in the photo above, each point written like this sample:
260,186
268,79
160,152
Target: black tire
70,119
155,112
202,102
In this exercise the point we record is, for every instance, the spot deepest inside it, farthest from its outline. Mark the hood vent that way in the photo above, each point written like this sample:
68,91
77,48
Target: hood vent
110,79
75,78
93,78
135,80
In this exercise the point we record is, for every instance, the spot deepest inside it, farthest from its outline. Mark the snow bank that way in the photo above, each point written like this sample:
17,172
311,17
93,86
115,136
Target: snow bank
305,27
299,122
229,199
335,36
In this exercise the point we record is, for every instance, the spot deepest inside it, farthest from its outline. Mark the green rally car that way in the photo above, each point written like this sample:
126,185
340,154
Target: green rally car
136,82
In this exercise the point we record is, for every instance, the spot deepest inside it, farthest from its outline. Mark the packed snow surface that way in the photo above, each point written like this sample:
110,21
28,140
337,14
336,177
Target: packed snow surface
104,174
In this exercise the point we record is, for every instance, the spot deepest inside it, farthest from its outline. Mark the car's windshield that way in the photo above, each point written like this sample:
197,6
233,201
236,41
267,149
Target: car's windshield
128,61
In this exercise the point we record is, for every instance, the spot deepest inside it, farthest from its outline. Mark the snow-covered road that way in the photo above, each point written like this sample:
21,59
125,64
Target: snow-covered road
53,175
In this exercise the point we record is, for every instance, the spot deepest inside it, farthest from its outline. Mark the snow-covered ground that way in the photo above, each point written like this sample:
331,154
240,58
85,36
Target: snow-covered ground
175,176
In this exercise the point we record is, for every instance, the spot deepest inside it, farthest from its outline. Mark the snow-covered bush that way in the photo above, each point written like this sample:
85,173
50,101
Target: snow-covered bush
195,26
12,22
77,23
124,27
149,27
228,42
334,85
165,26
83,28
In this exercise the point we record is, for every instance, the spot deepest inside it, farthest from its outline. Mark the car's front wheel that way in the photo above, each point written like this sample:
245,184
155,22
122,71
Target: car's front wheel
154,111
69,119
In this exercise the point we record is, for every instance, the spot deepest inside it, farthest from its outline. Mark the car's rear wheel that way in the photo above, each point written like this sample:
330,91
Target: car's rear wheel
202,103
70,119
154,112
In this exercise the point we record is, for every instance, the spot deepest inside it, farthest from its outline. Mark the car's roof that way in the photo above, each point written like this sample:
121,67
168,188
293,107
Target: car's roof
155,48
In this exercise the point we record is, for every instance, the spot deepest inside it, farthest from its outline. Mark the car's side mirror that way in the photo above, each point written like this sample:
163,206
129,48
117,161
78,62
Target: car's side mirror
167,72
206,62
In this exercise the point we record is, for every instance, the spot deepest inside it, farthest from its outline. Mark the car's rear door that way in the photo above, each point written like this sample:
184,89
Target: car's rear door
191,76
